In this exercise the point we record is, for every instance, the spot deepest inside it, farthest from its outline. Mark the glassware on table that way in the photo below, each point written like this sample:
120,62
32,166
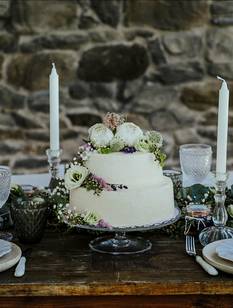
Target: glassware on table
29,220
219,231
5,183
176,177
29,223
195,161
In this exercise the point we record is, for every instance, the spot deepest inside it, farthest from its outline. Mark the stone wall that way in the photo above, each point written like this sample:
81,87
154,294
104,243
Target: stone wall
155,60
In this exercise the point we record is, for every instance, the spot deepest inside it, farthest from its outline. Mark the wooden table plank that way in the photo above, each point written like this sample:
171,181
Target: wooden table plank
63,265
187,301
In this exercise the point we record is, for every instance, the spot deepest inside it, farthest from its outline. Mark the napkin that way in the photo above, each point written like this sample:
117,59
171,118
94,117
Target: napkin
5,247
225,250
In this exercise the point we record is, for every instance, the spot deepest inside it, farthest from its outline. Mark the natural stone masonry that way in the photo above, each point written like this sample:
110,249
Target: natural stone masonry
115,62
167,15
154,60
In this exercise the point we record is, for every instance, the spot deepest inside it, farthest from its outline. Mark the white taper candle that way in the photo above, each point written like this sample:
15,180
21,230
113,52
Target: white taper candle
54,109
223,109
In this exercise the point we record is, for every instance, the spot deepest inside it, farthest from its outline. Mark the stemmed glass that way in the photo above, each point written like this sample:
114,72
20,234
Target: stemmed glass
195,161
5,183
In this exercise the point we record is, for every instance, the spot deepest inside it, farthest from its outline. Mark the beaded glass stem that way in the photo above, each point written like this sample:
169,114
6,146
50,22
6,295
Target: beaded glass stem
54,158
219,231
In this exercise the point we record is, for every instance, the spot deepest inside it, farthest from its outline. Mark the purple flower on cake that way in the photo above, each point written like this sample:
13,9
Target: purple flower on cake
103,224
129,133
86,147
102,183
128,150
112,120
75,176
100,135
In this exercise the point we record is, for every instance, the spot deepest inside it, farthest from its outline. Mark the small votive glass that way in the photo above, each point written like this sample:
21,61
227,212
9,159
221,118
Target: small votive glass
29,217
197,218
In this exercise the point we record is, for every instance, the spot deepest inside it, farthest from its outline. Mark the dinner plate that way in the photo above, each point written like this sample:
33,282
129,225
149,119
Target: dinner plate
210,255
225,250
5,247
10,259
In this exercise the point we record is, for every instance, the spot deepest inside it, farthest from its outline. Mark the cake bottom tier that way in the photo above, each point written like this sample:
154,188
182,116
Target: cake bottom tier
132,207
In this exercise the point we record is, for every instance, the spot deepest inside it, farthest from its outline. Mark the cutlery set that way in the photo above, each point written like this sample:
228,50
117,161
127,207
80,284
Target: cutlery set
191,250
10,254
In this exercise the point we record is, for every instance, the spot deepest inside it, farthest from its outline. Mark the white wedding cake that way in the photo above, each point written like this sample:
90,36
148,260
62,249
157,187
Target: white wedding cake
117,179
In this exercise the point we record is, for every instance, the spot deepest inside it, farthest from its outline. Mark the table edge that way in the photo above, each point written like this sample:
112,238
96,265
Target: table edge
129,288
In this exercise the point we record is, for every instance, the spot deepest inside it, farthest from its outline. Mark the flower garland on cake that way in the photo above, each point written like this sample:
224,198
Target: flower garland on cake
113,135
183,196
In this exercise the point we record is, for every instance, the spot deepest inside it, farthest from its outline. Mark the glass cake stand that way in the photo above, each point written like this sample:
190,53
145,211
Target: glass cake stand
121,243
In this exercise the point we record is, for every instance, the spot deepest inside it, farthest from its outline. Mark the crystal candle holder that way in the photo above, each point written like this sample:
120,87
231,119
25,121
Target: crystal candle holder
54,158
219,231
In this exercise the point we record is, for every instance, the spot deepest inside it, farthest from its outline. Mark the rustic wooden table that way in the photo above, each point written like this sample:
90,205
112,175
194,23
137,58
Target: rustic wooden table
63,272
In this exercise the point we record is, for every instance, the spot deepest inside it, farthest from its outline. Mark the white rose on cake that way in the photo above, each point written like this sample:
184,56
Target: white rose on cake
129,133
100,135
75,176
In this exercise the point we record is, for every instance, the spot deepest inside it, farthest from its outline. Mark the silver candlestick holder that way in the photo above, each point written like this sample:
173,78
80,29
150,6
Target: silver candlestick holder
54,158
219,231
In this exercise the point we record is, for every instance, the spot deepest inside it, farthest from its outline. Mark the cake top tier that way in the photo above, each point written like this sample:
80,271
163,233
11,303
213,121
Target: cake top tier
116,152
129,169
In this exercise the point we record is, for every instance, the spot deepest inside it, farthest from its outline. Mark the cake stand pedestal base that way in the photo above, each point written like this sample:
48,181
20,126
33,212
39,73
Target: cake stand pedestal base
120,244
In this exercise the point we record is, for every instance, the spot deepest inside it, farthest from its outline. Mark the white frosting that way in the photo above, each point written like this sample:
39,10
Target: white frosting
129,169
130,207
148,199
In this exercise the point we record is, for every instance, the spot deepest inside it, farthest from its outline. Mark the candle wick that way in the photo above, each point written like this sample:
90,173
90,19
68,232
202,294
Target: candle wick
220,78
224,84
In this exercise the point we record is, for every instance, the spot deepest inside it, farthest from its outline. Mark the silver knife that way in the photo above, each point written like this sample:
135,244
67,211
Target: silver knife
20,268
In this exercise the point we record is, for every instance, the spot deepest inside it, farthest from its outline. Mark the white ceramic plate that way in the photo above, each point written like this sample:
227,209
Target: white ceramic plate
210,255
11,258
225,250
5,247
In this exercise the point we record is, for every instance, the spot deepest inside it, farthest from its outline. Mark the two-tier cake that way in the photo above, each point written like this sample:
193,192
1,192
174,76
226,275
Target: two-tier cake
117,177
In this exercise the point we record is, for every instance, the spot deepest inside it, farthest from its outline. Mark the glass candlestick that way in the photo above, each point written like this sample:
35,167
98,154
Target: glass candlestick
54,158
219,231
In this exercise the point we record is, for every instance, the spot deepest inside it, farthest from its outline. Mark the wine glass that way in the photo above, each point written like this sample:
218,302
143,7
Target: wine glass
195,161
5,183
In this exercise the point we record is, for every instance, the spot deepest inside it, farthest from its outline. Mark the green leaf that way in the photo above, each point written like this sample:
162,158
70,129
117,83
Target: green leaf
105,150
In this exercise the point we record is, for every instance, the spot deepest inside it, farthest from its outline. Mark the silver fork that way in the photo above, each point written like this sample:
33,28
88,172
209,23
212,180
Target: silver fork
191,250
